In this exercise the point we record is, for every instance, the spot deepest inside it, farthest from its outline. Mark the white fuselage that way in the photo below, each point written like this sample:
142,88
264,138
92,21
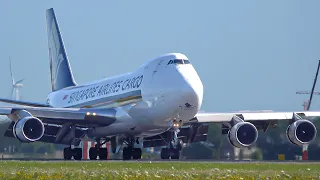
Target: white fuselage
146,100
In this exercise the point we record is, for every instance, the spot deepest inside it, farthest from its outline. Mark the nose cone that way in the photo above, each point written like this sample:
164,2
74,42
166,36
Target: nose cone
191,100
192,95
191,92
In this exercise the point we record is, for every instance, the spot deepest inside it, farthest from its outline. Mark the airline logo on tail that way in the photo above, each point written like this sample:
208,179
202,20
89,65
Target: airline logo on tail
54,51
61,74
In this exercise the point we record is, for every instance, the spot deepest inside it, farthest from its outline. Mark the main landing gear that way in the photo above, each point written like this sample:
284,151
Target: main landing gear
76,153
96,151
70,152
174,146
130,151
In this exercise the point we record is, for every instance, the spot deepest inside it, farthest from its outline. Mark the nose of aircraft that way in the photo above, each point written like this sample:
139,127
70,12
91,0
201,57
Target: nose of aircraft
192,95
191,92
191,99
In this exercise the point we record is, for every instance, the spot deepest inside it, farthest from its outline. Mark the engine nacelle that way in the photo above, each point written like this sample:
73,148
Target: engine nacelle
28,129
243,134
301,132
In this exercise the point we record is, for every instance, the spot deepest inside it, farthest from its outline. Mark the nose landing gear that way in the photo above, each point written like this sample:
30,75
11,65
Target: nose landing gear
174,145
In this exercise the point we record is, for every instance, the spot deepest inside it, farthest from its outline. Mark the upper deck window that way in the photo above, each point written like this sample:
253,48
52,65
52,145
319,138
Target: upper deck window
178,61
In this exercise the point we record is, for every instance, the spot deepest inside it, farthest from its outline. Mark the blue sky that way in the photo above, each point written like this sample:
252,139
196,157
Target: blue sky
250,55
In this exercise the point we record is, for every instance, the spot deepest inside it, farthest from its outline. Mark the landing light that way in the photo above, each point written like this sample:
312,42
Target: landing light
88,113
176,125
94,113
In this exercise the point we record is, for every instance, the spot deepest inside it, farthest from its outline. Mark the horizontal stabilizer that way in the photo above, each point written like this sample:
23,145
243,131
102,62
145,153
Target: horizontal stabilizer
25,103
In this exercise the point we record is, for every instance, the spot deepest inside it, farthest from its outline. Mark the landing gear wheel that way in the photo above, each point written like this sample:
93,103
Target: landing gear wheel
127,153
103,153
165,153
93,153
175,153
67,153
136,153
77,153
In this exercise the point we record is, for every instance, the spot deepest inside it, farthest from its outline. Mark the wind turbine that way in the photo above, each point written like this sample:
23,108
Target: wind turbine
14,94
15,85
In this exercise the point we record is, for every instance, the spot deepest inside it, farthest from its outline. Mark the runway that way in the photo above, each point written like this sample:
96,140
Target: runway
166,161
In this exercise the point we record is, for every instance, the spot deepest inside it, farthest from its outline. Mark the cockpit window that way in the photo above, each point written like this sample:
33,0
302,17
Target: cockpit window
178,61
186,61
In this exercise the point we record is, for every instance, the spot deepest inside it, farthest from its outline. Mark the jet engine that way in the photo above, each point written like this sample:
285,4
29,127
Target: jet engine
28,129
243,134
301,132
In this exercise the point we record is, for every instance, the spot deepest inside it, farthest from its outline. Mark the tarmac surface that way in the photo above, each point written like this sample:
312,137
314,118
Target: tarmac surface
164,161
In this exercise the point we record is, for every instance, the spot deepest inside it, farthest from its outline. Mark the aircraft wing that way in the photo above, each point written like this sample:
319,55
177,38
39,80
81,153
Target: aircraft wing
252,116
262,120
25,103
196,129
82,116
58,122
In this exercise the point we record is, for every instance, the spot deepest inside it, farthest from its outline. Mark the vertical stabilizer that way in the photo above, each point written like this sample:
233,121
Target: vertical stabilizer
61,74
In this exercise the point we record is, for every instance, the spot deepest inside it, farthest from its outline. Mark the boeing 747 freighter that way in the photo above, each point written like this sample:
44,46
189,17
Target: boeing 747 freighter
156,105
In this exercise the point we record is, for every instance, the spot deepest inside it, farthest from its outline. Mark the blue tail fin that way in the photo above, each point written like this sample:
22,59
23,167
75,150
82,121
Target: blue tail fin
61,74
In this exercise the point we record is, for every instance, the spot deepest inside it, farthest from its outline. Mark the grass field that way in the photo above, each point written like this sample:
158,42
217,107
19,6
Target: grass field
156,170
